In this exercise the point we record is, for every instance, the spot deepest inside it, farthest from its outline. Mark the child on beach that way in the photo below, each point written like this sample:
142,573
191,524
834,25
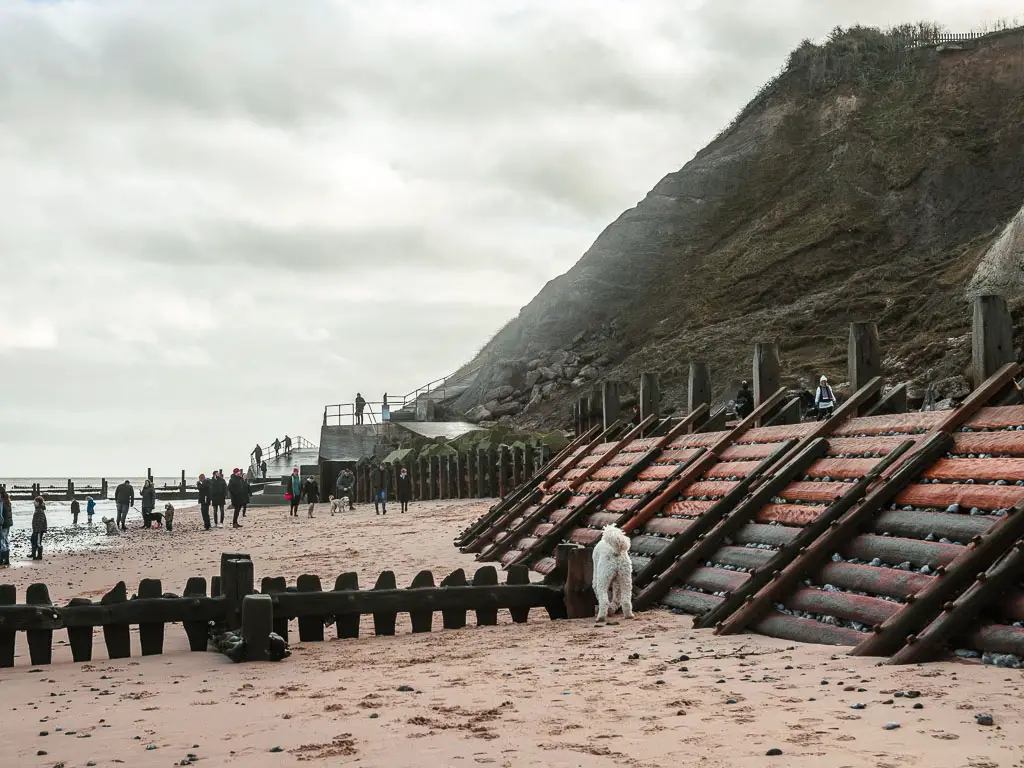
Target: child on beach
38,528
168,515
90,509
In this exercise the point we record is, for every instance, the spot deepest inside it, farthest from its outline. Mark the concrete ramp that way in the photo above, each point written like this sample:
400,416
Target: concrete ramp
347,442
283,465
449,430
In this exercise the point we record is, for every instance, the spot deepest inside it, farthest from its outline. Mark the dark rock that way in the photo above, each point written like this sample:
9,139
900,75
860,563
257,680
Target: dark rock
406,688
984,719
774,752
913,694
919,705
731,701
374,715
858,705
633,656
277,749
891,726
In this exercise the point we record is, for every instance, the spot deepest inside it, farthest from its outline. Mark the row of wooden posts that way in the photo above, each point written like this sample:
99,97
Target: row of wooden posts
992,348
484,473
234,603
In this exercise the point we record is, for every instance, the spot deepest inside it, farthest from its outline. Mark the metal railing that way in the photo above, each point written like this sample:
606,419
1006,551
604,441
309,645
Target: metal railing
341,414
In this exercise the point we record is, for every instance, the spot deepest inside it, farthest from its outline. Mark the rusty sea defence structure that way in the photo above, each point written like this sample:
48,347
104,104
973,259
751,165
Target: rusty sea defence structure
896,534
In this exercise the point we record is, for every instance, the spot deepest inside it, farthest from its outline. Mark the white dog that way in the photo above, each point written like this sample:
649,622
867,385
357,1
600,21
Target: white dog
112,529
613,574
339,505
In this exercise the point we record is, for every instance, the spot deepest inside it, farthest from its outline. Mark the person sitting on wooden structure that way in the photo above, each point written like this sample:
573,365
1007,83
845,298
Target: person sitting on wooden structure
404,488
744,401
38,528
824,399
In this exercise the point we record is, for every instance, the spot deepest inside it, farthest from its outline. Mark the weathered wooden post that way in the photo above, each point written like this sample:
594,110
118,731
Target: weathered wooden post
117,636
767,370
151,633
864,360
257,624
424,478
347,624
71,489
518,469
236,581
529,462
991,337
197,631
698,391
472,483
183,485
311,628
8,596
577,592
610,403
504,470
40,641
481,473
103,488
650,396
80,638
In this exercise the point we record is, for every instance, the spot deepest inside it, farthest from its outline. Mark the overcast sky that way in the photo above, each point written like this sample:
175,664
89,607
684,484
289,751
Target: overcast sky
218,215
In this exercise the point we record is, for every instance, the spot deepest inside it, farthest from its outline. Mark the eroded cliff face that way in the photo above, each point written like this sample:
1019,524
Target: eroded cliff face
884,189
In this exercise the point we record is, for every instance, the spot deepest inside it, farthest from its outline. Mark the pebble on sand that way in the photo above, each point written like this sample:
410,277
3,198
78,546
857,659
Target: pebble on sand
984,719
891,726
774,752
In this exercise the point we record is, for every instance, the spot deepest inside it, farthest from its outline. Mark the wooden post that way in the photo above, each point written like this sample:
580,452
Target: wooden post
117,636
103,488
864,359
579,596
40,641
422,620
435,477
80,638
71,489
8,596
257,624
767,370
453,618
698,391
518,475
518,574
610,403
347,624
991,337
151,634
504,471
445,474
196,631
471,475
529,462
311,628
650,395
236,581
424,478
149,473
481,473
486,576
183,486
384,622
787,414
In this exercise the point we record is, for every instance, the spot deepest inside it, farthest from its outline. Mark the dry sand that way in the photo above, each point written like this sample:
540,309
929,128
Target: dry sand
545,694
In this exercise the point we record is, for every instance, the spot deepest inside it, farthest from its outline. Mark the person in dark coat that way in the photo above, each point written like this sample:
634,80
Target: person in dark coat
258,454
277,447
263,469
124,497
360,406
294,492
236,489
248,492
345,487
219,497
379,484
6,523
744,401
287,445
203,486
38,528
76,510
312,493
148,503
404,488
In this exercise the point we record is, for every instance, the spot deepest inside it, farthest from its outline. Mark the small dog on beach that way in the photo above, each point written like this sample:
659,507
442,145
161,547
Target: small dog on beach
112,529
613,574
339,504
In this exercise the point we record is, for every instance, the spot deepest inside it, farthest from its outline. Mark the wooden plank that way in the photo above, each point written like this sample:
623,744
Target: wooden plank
454,618
958,575
257,624
311,627
346,624
486,576
571,463
961,615
271,585
892,402
580,601
197,630
500,547
804,538
813,556
383,619
518,575
991,336
40,641
707,544
979,470
151,633
422,620
116,636
80,638
995,443
8,596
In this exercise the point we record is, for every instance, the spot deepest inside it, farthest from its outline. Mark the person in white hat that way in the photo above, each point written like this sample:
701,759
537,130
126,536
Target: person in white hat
824,400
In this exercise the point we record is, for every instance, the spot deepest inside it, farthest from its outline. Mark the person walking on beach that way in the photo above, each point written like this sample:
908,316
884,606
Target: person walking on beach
6,522
203,486
277,447
294,492
38,528
404,488
257,454
219,497
124,497
360,405
343,487
379,484
263,469
312,493
90,509
287,446
236,488
75,510
148,502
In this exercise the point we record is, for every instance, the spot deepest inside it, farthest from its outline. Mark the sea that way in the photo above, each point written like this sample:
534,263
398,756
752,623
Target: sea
62,535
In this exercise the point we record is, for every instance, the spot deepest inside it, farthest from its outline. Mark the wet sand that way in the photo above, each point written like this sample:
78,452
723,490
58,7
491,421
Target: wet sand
542,694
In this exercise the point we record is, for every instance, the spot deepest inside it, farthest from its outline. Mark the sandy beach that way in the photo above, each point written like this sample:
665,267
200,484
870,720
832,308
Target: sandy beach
651,692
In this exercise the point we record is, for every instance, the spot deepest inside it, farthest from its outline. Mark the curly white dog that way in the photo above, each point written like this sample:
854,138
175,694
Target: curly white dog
613,574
